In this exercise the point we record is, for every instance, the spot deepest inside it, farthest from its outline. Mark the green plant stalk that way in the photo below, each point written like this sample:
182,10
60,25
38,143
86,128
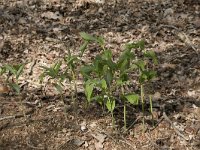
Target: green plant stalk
104,102
125,125
103,47
74,95
151,108
142,101
113,119
24,114
62,98
125,116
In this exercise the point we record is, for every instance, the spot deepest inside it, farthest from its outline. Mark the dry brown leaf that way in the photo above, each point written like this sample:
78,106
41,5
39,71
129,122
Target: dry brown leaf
100,137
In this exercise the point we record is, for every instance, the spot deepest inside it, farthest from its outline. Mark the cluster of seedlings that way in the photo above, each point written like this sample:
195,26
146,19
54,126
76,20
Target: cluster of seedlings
105,78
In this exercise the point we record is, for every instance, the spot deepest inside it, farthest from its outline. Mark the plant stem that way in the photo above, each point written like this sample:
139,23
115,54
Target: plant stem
125,116
142,100
125,125
75,89
113,120
62,98
151,108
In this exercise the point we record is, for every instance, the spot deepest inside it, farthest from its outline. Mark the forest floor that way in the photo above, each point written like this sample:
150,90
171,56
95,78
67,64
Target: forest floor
39,32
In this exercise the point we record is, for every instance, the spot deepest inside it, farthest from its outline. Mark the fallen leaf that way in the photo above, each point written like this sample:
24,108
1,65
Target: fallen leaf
78,142
52,15
93,125
83,126
100,137
4,89
98,146
168,11
156,96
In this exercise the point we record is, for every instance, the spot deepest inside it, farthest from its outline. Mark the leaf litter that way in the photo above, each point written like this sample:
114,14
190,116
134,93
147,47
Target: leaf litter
40,32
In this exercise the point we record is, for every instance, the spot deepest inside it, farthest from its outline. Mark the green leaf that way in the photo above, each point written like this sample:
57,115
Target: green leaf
45,68
89,86
11,69
152,55
71,60
83,47
58,87
15,87
51,73
108,76
103,84
107,54
100,40
141,44
41,77
86,71
87,37
149,74
98,65
143,77
133,66
56,67
132,98
111,65
124,77
20,70
125,59
130,46
98,99
110,104
2,70
64,75
124,65
141,64
119,82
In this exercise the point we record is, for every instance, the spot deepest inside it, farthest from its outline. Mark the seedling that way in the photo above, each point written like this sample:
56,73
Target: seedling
70,73
54,73
13,72
71,62
106,75
145,74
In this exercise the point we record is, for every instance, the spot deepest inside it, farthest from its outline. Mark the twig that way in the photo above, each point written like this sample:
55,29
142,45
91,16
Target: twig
16,116
169,26
132,124
104,132
182,36
129,144
7,117
151,141
32,66
4,126
173,126
31,146
123,141
159,121
187,41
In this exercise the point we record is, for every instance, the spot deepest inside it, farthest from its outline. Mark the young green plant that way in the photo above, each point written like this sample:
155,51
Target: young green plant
99,75
54,73
145,74
13,72
108,76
